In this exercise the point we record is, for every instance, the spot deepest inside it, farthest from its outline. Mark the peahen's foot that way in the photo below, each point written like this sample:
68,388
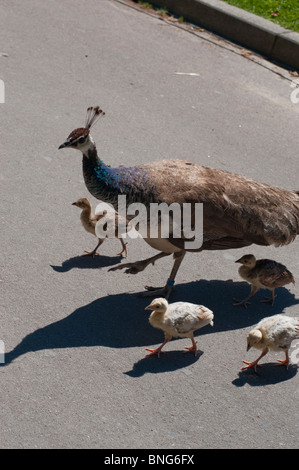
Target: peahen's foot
131,268
138,266
157,291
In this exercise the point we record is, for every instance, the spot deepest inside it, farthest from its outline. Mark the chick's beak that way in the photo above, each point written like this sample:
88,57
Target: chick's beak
149,307
248,347
74,203
238,261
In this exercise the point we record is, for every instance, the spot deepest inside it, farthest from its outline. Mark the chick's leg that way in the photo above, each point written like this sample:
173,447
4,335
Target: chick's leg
284,362
192,348
158,350
124,250
254,364
244,302
94,252
271,299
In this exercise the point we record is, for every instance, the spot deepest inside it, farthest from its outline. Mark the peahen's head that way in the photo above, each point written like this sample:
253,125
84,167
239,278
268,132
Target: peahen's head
80,138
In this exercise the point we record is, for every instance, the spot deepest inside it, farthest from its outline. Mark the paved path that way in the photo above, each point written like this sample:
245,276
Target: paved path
265,37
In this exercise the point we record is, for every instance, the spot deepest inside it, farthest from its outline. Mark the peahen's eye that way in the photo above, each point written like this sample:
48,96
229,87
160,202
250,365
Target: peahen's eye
81,140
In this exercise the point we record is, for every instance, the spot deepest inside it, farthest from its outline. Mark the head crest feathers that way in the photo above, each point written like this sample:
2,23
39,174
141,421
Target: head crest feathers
93,114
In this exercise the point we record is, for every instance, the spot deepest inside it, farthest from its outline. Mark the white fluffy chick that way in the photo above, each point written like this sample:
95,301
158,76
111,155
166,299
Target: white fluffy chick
179,319
275,333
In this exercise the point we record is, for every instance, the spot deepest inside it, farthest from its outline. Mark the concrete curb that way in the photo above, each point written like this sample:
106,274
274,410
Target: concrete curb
256,33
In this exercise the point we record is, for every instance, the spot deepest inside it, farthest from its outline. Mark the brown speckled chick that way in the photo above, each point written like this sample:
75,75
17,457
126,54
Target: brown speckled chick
263,274
89,221
275,333
179,319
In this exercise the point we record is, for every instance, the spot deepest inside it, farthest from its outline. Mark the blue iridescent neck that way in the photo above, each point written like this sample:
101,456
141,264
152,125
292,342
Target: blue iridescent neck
111,178
106,183
101,180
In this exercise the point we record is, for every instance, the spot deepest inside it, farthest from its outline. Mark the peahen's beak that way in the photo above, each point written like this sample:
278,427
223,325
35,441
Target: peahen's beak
65,144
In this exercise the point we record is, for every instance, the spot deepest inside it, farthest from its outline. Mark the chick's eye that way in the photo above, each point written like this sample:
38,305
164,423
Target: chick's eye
81,140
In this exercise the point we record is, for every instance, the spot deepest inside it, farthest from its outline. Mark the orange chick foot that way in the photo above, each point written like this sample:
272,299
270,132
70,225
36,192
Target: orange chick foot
250,365
154,351
192,348
284,362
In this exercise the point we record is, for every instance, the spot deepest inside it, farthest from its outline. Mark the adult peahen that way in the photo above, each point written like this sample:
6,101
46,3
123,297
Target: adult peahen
237,211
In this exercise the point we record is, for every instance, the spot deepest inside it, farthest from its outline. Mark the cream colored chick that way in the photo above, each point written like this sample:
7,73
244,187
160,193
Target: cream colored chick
275,333
179,319
89,221
263,274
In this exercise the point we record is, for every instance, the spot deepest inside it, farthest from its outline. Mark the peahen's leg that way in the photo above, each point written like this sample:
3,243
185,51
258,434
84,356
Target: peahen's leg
166,290
138,266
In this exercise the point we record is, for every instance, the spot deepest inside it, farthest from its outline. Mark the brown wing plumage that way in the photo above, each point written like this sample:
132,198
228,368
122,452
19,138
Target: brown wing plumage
237,211
272,274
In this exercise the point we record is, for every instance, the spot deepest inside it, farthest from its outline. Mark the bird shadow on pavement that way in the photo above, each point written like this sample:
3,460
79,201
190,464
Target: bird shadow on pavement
87,262
119,321
167,362
267,374
219,296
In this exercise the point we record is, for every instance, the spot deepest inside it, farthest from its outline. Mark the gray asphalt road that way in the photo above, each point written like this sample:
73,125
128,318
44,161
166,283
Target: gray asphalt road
75,372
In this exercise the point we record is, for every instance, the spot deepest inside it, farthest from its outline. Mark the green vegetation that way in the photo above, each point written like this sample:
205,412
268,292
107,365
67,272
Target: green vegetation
145,4
283,12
